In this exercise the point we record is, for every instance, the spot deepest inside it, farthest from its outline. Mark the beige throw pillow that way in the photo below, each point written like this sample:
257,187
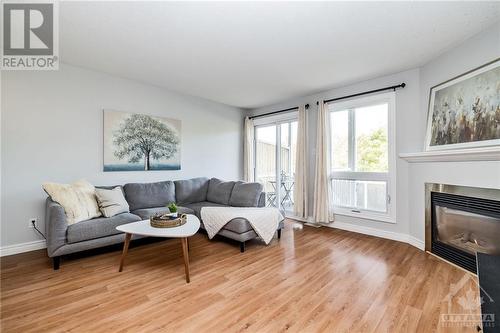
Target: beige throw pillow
77,199
111,202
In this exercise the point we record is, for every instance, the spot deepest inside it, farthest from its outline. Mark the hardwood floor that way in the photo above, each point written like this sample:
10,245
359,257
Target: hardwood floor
312,280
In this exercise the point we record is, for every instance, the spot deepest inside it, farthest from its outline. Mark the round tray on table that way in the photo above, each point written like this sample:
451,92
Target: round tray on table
167,221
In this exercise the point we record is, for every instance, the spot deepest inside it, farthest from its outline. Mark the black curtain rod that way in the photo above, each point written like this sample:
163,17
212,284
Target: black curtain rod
276,112
402,85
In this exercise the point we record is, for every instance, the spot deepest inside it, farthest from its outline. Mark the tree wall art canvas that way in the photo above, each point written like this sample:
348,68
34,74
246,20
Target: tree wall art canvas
464,112
138,142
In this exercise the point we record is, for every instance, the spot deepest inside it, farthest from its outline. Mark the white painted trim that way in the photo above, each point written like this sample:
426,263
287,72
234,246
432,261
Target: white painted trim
418,243
277,121
277,118
313,225
365,215
390,176
368,231
307,222
40,244
378,233
455,155
309,219
22,247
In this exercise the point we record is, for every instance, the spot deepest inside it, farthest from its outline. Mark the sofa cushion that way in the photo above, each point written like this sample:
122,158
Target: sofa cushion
238,225
191,190
111,202
219,191
245,194
196,207
147,195
99,227
146,213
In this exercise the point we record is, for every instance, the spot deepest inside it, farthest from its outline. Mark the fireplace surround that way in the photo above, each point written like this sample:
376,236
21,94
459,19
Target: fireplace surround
460,221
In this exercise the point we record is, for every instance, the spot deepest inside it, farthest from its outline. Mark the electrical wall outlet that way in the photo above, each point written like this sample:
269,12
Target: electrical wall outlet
33,222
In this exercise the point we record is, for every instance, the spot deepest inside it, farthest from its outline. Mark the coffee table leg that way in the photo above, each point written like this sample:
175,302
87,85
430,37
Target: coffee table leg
185,253
125,249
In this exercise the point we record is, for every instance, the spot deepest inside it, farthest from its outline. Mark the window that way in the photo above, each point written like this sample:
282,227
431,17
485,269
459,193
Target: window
362,157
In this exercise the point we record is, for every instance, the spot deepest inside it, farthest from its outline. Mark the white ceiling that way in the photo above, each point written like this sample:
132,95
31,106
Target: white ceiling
250,54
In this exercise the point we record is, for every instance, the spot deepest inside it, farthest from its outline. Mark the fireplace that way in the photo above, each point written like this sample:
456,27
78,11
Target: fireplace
461,221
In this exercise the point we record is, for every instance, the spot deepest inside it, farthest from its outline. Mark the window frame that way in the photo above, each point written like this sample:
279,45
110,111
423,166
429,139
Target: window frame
273,120
389,177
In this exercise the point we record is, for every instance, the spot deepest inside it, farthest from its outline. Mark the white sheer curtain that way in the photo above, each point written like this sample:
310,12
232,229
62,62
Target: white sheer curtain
300,190
248,151
322,212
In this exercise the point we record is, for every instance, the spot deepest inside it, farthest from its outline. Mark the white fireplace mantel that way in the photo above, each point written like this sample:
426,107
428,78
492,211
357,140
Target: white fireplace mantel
456,155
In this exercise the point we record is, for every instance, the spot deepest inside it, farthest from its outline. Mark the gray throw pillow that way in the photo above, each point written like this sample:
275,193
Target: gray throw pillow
219,191
245,194
111,202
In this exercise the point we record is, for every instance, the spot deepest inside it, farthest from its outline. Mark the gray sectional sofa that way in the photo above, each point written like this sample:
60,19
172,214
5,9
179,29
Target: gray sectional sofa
146,199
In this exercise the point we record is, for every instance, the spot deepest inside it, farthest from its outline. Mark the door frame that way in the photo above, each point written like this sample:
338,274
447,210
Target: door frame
274,120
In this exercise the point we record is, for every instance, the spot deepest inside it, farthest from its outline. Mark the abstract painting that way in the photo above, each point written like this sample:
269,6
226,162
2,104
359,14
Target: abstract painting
138,142
465,111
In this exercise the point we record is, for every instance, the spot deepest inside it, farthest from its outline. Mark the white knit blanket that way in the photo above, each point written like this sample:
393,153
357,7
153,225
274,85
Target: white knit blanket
264,220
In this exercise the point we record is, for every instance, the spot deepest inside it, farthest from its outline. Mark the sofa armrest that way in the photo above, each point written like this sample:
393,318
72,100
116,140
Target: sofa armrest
55,226
262,200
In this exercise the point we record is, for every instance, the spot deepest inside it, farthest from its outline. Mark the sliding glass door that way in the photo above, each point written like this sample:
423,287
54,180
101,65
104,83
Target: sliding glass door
265,161
275,150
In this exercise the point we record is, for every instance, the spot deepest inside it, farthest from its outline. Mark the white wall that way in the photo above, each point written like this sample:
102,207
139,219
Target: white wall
475,52
411,112
52,131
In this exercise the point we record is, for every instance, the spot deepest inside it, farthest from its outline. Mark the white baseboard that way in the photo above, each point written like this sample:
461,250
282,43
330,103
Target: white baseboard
420,244
378,233
300,219
313,225
23,247
307,222
40,244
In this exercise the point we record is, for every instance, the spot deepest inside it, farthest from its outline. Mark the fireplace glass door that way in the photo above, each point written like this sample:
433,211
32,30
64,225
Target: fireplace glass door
467,231
463,226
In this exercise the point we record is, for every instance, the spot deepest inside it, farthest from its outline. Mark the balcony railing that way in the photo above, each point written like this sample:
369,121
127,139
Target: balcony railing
286,191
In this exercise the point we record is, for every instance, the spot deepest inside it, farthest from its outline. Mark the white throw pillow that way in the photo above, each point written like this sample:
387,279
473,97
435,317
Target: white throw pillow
111,202
78,199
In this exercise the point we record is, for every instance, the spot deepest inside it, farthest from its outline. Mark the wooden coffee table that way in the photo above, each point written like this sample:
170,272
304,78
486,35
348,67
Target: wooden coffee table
145,229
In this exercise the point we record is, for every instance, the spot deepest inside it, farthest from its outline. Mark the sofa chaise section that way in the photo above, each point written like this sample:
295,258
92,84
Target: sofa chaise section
232,194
